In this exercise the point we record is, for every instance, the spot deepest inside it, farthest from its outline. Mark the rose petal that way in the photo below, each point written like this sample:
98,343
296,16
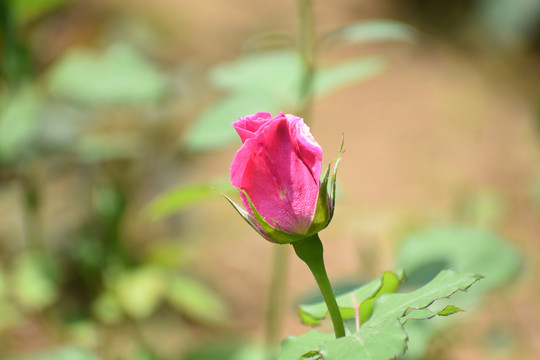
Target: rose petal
248,126
280,183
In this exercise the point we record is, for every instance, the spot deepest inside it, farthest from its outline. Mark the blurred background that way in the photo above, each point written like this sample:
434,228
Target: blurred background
115,126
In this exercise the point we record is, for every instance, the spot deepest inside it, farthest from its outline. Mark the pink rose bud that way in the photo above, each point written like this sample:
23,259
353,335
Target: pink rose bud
277,170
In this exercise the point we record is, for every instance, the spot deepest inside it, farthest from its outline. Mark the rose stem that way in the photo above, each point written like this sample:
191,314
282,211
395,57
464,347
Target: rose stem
276,298
310,251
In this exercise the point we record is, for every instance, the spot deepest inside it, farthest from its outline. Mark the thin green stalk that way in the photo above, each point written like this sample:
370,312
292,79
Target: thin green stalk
310,251
276,298
307,54
274,313
15,65
31,205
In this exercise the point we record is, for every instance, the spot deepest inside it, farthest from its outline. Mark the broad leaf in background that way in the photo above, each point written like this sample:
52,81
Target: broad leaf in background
369,31
424,253
382,336
195,300
106,308
120,75
465,249
18,122
35,281
65,353
139,291
266,82
509,23
332,78
211,129
178,198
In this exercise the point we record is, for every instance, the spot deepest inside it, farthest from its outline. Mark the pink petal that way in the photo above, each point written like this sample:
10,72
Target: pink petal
281,184
248,126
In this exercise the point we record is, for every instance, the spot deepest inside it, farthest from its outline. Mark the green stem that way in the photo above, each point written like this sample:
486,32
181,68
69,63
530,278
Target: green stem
310,251
275,305
15,66
307,54
31,205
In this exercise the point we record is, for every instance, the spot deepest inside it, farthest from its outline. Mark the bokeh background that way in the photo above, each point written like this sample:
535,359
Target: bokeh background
115,126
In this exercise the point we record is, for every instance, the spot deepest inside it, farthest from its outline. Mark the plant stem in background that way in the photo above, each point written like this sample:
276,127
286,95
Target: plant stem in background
278,281
276,298
307,54
310,251
31,205
15,65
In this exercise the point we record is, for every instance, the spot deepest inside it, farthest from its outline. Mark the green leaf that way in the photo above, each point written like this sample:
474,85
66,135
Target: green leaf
18,122
390,283
462,248
35,281
195,300
276,73
118,76
465,249
335,77
428,313
181,197
294,347
449,310
382,336
230,350
140,291
64,353
370,31
369,343
107,308
381,343
361,299
212,128
267,82
394,306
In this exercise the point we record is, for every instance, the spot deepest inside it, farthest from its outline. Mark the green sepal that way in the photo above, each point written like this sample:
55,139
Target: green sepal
245,215
321,218
326,200
333,180
274,234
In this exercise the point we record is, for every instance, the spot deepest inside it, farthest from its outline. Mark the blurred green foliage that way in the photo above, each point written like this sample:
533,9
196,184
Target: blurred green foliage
118,76
67,353
469,249
267,82
18,123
